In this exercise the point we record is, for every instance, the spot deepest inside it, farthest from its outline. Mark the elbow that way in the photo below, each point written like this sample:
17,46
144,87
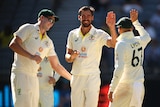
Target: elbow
11,46
113,45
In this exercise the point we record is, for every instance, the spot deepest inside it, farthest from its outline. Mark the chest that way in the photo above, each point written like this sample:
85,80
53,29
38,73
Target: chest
86,41
34,43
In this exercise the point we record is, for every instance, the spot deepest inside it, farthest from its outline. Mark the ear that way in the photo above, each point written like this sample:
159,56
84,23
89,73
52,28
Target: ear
132,28
79,17
41,17
92,18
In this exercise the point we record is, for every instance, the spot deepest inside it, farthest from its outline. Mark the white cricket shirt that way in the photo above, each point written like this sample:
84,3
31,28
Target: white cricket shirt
90,48
129,55
31,42
45,71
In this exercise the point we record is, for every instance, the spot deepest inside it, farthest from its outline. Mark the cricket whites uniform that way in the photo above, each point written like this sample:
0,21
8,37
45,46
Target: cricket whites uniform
127,83
46,90
24,79
85,69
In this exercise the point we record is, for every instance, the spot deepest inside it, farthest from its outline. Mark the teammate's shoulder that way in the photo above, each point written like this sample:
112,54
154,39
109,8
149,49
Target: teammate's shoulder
98,30
28,25
74,31
121,43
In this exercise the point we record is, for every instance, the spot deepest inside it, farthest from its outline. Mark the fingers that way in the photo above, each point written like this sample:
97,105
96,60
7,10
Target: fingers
51,80
111,19
37,58
111,15
110,96
133,15
76,52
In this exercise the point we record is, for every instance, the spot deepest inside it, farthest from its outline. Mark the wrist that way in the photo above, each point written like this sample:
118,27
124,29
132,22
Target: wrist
31,56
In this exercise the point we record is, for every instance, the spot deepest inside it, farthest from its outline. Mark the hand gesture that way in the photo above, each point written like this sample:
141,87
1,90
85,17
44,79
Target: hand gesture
111,19
133,15
110,96
51,80
37,58
75,54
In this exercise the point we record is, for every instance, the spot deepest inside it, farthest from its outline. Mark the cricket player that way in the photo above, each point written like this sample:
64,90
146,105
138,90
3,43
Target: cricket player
30,45
47,80
127,85
84,49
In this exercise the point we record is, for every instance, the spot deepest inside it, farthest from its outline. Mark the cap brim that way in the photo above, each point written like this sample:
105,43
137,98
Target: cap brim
56,18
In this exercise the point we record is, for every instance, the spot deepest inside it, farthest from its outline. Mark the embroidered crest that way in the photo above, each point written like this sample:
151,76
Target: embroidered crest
46,43
19,91
92,37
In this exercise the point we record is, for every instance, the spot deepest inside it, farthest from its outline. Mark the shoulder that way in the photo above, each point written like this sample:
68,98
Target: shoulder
27,25
49,40
121,44
99,31
74,31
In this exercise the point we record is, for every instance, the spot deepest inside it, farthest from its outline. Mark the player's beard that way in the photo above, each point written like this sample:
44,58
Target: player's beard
86,24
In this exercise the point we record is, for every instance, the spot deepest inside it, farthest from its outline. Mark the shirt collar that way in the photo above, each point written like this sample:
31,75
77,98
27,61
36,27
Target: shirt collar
125,35
37,28
91,32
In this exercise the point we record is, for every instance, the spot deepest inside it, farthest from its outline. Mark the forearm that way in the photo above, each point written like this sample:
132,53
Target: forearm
62,71
143,33
18,49
139,28
113,35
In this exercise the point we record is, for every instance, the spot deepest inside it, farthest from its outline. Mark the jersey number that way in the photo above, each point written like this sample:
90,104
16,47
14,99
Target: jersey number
136,59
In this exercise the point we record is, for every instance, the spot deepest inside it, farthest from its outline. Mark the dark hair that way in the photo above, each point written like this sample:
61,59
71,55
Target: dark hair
90,8
124,22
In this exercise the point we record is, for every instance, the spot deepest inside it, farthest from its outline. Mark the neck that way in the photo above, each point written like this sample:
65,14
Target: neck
42,31
85,30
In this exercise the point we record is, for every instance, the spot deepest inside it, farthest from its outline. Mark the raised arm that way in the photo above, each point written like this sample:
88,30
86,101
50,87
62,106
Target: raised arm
144,35
110,21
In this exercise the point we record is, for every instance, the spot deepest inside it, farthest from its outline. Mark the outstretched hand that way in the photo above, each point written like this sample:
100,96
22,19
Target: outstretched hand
133,15
111,19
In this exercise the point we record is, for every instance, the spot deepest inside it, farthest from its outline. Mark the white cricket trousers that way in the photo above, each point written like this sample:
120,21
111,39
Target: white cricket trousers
128,95
25,89
85,90
46,96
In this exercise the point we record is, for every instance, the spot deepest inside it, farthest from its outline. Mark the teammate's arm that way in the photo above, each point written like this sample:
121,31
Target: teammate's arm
143,33
55,64
16,46
110,21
